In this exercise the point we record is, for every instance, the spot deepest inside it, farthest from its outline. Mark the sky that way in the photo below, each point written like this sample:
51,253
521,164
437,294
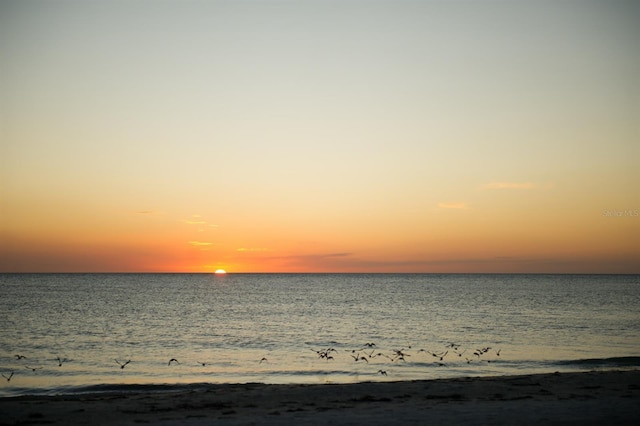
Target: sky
320,136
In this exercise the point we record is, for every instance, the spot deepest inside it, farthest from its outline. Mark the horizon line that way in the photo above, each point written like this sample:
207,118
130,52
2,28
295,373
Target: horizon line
309,273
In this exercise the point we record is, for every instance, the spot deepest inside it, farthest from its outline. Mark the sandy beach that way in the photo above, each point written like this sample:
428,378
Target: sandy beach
611,397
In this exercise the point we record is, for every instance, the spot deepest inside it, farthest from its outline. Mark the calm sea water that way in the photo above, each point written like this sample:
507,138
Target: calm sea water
273,328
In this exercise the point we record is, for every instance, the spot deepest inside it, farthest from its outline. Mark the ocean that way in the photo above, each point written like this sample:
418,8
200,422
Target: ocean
66,333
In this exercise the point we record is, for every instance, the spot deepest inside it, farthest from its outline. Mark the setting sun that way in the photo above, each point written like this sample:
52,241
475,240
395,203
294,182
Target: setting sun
220,271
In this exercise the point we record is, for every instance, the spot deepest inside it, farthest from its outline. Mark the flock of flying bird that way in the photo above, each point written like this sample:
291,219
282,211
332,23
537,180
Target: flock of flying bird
365,353
368,352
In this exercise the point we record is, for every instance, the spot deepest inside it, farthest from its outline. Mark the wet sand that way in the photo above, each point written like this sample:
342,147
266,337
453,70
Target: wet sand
590,398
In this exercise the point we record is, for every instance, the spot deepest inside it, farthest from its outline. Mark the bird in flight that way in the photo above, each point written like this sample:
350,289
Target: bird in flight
122,365
8,378
399,355
33,368
360,358
60,361
324,353
173,360
440,355
459,353
18,356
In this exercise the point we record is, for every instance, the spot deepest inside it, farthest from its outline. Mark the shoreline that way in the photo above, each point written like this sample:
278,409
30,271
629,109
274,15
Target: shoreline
576,397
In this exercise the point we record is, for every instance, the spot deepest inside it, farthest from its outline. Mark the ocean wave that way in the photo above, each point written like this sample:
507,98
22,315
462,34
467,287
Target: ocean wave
620,361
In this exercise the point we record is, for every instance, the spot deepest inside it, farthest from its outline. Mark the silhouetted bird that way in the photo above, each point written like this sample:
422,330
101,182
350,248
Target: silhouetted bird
440,355
384,355
359,358
399,355
325,353
173,360
18,356
33,368
8,378
122,365
382,372
60,361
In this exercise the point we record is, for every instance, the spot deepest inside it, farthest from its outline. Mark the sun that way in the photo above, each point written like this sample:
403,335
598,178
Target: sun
220,271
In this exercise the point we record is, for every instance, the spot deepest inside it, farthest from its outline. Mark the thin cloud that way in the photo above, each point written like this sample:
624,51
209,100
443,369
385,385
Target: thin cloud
149,212
350,262
321,257
458,206
196,219
324,256
510,185
200,243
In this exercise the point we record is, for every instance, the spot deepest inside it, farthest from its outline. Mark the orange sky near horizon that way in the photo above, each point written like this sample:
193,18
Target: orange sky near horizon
311,136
